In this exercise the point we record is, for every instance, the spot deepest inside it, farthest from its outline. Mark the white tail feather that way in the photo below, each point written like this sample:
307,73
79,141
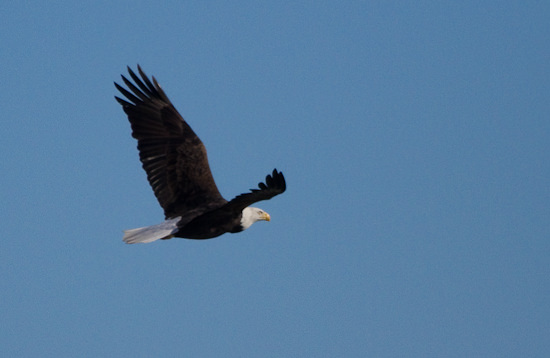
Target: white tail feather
151,233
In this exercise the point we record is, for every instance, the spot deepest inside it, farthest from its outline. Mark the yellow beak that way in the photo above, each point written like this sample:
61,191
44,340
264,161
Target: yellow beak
266,217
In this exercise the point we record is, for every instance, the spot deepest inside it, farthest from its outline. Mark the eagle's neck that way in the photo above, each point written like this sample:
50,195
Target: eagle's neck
250,215
248,218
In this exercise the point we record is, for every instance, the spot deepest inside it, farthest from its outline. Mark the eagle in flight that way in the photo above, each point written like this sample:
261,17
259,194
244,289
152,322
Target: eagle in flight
177,168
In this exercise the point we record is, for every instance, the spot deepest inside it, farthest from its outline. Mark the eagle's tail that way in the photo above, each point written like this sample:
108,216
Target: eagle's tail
164,230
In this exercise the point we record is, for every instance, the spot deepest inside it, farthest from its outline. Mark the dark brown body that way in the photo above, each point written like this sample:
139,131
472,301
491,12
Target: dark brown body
210,225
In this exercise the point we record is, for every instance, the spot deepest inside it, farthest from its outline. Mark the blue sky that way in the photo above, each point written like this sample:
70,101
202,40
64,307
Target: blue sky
415,141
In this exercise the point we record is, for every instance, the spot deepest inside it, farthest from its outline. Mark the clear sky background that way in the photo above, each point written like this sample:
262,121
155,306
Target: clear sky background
414,136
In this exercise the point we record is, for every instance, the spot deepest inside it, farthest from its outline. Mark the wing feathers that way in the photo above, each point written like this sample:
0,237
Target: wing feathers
275,184
126,94
172,155
144,88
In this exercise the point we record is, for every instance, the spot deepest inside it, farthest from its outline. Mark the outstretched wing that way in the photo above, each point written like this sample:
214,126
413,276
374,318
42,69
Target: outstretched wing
274,185
173,157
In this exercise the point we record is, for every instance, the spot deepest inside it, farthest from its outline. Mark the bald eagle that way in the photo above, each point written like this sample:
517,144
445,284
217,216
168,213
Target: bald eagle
177,168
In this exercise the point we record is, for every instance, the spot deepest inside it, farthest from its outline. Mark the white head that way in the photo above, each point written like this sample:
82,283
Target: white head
251,215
